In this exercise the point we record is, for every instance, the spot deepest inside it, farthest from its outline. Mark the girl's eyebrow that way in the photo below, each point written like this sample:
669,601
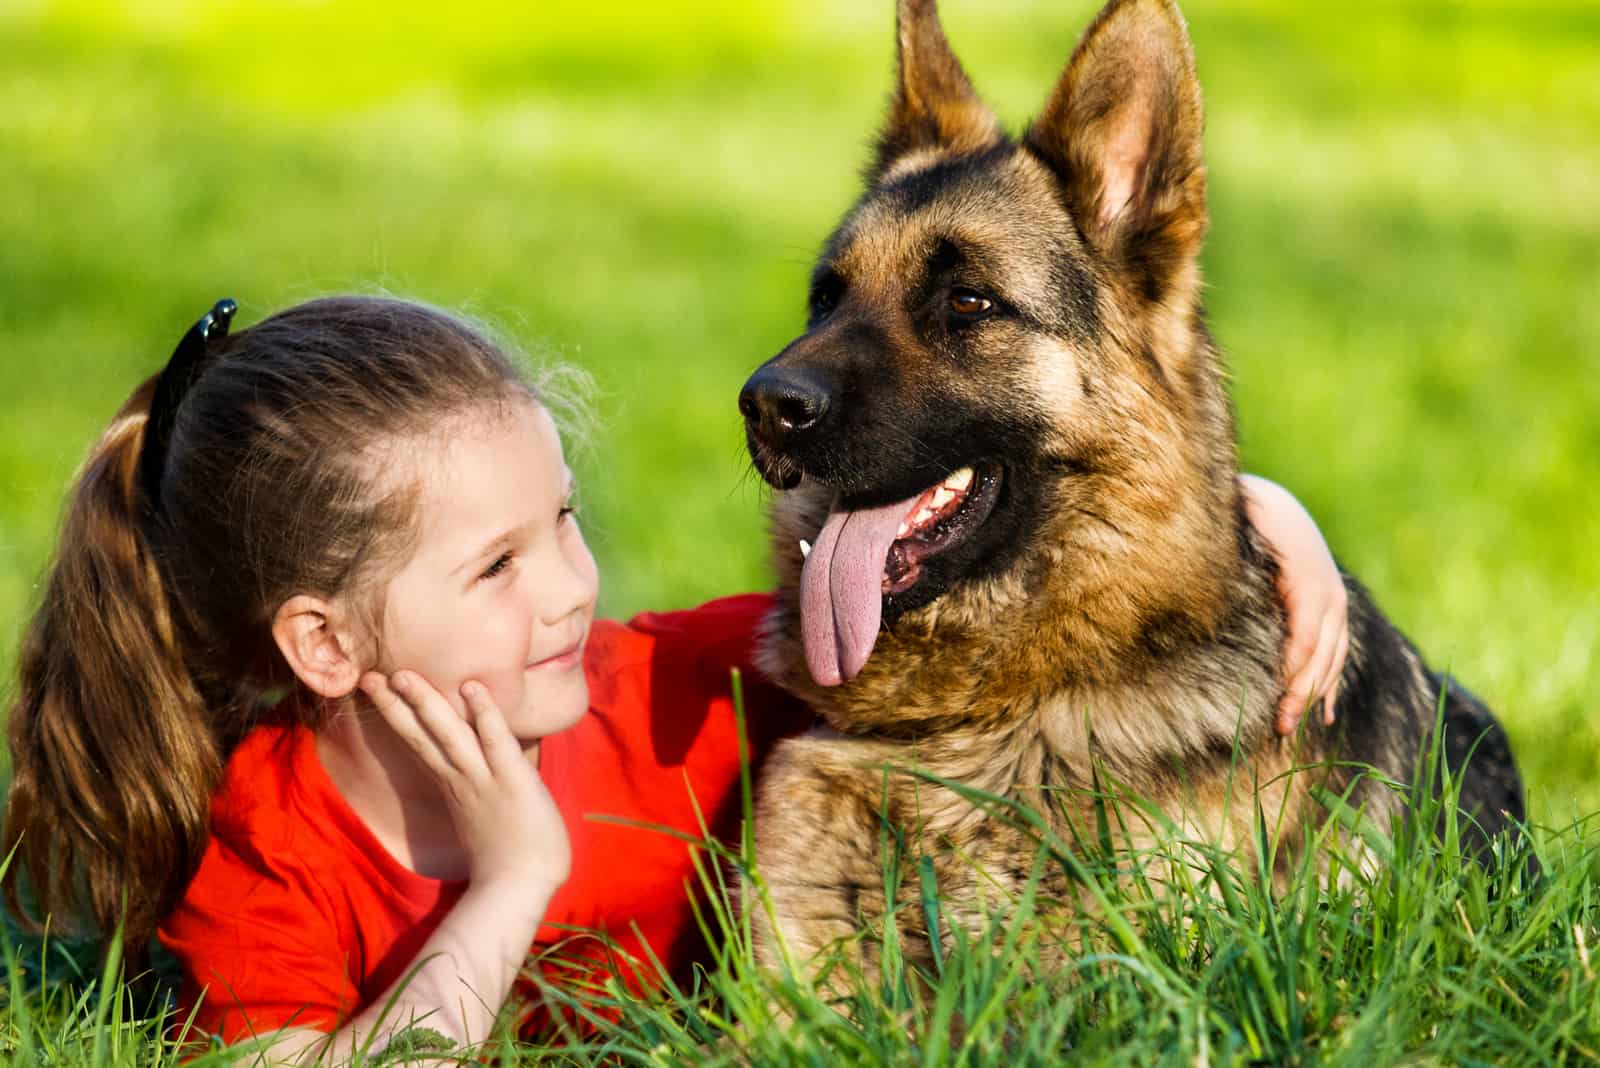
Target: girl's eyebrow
511,535
490,546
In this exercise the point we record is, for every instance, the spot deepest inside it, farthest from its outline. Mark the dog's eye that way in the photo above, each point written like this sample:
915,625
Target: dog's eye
966,303
825,296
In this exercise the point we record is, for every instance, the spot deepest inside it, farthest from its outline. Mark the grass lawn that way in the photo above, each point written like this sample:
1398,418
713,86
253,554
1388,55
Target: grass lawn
1404,263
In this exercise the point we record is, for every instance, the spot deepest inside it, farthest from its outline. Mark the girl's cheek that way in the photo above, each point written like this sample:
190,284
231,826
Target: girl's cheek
505,687
503,651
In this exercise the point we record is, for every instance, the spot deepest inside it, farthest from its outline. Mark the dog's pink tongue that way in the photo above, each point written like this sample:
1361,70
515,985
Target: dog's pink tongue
841,590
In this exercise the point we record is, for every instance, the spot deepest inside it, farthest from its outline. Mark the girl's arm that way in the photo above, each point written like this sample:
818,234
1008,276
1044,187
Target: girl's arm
1313,592
519,855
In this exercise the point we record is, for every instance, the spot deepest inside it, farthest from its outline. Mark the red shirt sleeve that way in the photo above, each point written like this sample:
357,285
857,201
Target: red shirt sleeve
296,917
717,638
258,949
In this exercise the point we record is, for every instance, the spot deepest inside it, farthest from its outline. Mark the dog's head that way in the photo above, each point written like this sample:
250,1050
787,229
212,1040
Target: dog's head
1005,416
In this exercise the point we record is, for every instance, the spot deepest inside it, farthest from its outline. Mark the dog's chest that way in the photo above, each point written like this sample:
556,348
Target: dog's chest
1133,730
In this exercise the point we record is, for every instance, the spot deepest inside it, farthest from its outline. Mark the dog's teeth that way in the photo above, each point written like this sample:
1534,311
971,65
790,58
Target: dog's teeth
805,548
960,480
905,528
942,496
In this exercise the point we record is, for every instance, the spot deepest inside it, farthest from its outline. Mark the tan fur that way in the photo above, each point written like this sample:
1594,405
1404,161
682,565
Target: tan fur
1136,640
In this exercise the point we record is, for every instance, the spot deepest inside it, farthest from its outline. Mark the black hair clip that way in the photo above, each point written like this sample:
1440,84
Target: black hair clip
180,373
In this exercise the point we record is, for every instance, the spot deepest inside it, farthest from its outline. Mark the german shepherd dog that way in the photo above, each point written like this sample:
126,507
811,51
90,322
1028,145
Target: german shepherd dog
1010,542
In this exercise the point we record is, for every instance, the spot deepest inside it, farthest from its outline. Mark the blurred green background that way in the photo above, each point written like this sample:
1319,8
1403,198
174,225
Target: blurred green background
1404,264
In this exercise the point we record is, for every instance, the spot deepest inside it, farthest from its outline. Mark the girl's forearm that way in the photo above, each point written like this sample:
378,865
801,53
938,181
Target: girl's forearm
1314,595
515,839
456,984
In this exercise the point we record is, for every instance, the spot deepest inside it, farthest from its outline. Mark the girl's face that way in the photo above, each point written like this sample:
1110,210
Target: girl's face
501,587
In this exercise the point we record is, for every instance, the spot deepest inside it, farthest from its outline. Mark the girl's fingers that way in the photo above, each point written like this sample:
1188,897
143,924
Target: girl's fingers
1314,676
500,747
402,719
1305,627
1318,673
442,723
1335,673
1290,709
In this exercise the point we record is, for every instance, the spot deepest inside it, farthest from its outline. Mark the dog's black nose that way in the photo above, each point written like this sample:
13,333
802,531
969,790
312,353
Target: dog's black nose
783,403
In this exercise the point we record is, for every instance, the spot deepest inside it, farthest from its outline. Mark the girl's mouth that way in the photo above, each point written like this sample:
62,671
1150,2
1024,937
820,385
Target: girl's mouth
565,660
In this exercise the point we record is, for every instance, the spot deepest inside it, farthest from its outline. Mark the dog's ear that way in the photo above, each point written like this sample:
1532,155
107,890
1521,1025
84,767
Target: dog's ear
1123,131
934,104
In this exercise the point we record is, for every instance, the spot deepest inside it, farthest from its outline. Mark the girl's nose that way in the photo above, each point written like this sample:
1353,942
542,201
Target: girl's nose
573,585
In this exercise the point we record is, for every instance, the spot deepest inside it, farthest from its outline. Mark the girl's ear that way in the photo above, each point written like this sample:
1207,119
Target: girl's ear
319,650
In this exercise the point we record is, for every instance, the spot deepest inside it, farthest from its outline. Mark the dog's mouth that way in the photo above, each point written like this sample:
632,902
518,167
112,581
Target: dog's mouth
867,554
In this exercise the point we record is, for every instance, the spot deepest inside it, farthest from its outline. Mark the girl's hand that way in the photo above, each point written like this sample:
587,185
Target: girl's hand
518,855
1313,592
507,821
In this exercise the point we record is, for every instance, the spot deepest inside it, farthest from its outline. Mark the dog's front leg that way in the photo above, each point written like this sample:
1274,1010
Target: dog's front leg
821,873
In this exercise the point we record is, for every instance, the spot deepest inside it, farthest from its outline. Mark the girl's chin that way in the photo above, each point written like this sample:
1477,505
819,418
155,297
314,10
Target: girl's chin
546,713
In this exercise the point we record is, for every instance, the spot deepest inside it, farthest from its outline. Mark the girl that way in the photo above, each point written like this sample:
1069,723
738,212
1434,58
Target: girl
315,687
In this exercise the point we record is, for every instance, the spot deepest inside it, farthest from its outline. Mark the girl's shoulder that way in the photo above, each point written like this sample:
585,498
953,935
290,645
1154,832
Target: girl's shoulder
261,776
278,813
661,693
294,911
721,632
285,840
661,668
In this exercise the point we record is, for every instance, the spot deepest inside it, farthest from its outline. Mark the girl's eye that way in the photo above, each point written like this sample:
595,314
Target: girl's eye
501,562
566,512
965,302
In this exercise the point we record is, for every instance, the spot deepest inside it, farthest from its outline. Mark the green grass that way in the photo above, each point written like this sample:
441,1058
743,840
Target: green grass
1181,955
1403,269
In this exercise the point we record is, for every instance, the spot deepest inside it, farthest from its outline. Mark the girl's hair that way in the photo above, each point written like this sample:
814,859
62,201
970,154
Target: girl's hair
151,653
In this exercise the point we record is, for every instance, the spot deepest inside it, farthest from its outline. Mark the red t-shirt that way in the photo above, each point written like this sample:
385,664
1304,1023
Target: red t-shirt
298,917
